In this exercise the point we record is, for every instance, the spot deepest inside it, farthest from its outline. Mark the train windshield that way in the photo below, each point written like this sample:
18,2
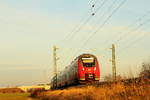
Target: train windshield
88,62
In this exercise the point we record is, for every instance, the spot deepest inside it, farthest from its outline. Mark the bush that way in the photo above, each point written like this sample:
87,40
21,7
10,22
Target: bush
145,72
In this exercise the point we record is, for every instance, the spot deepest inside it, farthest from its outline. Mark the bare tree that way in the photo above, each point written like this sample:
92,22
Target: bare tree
145,72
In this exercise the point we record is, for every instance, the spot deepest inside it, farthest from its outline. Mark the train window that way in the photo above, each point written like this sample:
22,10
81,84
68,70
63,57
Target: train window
88,62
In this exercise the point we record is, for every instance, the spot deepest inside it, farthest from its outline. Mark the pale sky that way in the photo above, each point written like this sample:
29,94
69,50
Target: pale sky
30,28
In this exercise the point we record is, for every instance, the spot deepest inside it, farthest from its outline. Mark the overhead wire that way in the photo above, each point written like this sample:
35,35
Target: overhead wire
141,24
121,34
102,4
103,24
78,26
126,28
132,32
95,11
88,19
137,28
139,38
132,43
90,1
102,15
135,40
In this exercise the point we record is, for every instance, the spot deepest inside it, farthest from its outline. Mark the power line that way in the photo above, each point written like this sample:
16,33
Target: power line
102,4
109,9
111,14
90,1
78,25
138,39
140,25
102,15
135,40
93,1
121,34
74,29
73,34
103,24
134,30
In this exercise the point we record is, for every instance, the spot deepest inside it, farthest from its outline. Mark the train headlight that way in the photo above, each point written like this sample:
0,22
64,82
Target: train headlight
83,68
94,68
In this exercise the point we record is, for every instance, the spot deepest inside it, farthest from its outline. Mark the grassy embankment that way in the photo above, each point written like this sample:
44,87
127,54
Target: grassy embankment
118,91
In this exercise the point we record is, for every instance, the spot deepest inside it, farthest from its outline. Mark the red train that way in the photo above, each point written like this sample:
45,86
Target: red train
84,69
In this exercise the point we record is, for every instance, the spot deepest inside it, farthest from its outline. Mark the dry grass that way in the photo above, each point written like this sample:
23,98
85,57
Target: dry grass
15,96
117,91
11,90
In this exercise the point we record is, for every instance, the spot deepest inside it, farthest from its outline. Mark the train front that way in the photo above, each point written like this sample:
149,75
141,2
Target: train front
88,68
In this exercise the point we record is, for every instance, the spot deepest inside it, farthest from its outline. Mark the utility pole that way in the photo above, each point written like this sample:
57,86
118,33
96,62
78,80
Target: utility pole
55,65
113,62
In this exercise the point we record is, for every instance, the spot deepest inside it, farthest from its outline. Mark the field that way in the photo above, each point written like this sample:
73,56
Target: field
11,90
15,96
121,90
117,91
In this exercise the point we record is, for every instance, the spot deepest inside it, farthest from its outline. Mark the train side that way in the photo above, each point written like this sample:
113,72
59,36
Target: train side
84,69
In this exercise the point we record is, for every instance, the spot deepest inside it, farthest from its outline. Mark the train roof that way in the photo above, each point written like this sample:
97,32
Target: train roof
86,55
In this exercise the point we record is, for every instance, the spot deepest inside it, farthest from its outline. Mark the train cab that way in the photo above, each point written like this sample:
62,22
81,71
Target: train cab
88,68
